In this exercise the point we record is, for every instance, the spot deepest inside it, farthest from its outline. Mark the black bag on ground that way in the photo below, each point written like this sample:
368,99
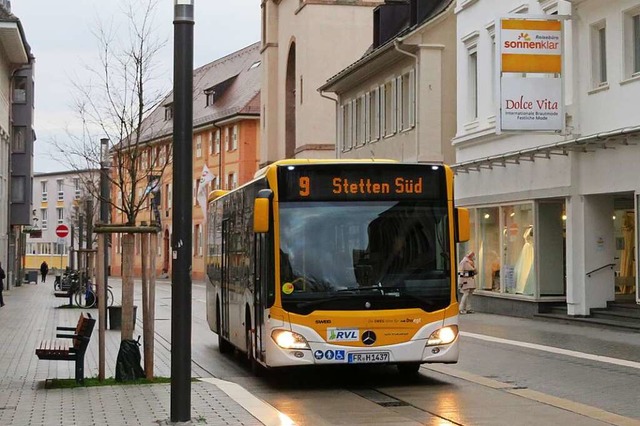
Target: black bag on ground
128,362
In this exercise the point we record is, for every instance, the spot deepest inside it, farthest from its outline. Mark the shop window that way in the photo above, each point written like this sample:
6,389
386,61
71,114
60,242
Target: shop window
517,249
487,247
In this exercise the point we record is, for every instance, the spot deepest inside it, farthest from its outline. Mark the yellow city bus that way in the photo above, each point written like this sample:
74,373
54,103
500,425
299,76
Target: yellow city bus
336,262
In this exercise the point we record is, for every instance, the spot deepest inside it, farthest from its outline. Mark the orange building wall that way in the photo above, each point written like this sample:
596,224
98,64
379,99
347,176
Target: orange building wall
243,161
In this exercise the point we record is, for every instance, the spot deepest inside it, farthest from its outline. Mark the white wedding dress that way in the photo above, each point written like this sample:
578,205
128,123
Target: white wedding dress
525,274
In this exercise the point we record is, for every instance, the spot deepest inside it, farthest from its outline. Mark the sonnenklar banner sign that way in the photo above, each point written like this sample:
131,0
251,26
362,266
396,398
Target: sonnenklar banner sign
531,76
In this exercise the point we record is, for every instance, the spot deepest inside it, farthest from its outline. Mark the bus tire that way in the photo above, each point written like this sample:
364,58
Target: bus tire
408,368
223,345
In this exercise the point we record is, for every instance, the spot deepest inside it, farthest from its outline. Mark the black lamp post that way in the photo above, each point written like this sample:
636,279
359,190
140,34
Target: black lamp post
182,207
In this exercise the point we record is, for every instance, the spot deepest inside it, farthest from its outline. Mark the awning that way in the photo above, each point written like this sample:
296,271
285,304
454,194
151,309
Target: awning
604,140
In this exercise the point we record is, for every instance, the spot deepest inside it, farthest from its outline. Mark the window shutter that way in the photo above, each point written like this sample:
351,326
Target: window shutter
412,98
383,111
394,106
367,117
399,103
342,128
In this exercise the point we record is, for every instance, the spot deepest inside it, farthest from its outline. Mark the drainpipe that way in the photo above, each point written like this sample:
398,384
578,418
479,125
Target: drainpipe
396,44
337,112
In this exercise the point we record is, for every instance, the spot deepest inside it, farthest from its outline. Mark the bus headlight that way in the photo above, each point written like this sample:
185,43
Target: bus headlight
289,340
443,336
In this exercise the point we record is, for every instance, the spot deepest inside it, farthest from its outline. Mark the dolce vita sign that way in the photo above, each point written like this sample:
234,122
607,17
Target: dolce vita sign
530,74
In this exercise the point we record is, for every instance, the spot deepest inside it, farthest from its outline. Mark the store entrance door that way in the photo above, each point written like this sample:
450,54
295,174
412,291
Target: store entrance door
624,220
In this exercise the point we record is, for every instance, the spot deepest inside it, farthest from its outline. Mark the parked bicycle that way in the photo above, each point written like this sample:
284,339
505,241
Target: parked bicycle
85,295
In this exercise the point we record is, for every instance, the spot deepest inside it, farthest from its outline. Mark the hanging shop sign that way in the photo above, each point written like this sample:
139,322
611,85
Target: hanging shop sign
532,104
530,74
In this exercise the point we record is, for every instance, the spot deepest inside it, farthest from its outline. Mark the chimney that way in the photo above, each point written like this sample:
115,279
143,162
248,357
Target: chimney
421,9
389,19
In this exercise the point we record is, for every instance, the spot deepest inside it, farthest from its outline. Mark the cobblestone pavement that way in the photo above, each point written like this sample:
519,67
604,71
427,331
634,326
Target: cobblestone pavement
30,315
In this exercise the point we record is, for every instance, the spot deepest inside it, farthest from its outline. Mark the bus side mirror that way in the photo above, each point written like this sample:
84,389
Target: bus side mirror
261,215
463,230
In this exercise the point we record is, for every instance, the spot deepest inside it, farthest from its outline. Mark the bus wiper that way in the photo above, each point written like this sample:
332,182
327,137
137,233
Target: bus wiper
379,286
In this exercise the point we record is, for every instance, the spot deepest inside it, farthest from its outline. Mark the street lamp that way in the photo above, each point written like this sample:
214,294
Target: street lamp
182,207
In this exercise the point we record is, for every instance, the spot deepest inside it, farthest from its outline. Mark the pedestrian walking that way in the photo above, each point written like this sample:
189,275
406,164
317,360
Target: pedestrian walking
2,277
466,281
44,270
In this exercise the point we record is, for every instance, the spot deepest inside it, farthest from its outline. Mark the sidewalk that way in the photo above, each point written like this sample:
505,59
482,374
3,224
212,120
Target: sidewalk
31,315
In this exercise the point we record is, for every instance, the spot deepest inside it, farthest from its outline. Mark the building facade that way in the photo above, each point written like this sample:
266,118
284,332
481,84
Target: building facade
226,136
61,198
16,142
304,43
554,214
398,101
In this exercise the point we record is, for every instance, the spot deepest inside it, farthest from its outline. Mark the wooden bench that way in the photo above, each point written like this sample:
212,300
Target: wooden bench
59,350
69,293
69,287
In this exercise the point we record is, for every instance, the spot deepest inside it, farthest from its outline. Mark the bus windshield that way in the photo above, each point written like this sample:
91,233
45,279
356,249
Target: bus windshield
343,255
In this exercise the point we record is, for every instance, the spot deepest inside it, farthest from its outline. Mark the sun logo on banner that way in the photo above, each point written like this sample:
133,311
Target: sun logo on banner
524,36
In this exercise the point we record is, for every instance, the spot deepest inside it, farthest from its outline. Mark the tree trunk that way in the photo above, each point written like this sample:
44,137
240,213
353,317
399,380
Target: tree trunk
127,286
146,336
150,325
102,305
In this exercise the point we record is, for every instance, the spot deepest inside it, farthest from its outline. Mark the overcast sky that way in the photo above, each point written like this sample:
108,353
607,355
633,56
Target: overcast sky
60,36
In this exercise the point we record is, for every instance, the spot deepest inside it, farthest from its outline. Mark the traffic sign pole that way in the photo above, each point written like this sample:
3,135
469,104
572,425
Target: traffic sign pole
62,231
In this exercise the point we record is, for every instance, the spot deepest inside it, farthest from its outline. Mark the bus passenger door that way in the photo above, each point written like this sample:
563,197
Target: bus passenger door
224,279
259,293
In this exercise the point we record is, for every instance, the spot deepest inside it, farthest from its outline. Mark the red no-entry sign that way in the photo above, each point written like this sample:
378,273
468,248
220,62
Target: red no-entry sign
62,231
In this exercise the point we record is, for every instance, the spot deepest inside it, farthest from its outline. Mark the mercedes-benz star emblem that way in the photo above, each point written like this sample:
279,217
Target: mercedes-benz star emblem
368,337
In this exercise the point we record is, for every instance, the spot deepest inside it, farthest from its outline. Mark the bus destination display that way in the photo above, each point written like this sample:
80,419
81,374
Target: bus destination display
360,182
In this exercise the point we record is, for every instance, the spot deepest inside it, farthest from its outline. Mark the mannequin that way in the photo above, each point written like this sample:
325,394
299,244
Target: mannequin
525,275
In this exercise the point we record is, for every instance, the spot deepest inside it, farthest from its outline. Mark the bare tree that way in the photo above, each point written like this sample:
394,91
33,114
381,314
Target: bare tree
117,103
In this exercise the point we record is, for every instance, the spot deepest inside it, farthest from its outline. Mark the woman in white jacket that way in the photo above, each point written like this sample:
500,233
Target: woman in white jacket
466,281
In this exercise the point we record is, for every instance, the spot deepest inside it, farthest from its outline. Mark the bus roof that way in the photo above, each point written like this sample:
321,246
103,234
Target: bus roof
300,161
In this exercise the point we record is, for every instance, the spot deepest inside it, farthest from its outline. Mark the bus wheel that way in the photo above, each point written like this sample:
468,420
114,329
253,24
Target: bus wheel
408,368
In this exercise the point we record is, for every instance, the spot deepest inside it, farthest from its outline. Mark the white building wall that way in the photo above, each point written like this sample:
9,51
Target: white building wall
589,182
614,105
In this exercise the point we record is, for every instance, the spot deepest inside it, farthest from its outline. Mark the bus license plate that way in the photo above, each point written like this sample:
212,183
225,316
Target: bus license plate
368,357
